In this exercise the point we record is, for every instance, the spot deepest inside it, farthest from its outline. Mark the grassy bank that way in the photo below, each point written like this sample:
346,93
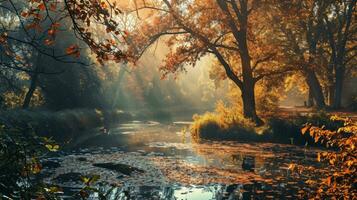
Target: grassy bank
61,125
276,129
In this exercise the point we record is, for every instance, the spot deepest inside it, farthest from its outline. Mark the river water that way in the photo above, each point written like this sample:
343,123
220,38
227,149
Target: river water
159,161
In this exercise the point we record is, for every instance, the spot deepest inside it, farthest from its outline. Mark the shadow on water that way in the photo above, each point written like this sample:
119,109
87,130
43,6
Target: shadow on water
150,160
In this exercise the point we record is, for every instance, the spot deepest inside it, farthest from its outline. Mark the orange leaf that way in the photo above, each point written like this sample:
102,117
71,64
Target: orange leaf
73,50
53,7
24,14
51,32
305,129
49,42
41,6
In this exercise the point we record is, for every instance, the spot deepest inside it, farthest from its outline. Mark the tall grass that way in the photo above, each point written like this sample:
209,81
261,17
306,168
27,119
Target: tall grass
223,124
226,124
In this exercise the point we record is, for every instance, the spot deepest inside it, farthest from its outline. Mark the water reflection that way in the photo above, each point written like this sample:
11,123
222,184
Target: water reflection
171,164
176,192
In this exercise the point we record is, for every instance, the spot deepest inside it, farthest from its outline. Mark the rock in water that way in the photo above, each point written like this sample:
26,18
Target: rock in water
248,163
121,168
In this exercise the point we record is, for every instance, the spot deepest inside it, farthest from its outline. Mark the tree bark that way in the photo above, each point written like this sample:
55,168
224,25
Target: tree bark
248,93
32,88
310,100
249,108
340,72
331,95
247,85
33,84
316,88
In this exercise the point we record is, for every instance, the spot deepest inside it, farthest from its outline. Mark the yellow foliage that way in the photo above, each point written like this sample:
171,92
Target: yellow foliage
343,164
220,121
15,100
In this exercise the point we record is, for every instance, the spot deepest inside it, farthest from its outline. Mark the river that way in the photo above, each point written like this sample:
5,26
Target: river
155,160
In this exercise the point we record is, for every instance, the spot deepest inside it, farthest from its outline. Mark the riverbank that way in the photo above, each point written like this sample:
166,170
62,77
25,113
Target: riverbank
279,129
62,126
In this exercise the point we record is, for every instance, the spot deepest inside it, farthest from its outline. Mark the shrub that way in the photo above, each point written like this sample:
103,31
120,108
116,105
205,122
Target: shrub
286,131
353,104
340,179
224,124
20,150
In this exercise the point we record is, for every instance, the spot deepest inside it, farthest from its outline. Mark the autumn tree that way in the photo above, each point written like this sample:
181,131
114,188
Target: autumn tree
310,41
299,31
232,31
340,35
31,29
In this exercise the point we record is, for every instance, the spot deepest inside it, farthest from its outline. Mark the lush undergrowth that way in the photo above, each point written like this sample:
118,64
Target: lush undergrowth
339,182
27,136
61,125
213,126
21,150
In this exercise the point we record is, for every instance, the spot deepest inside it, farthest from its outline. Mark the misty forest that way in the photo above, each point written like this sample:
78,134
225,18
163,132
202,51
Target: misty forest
178,99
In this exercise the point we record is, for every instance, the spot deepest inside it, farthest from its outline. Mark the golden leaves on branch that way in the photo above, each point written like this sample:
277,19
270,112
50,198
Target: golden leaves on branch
41,7
86,13
342,161
85,16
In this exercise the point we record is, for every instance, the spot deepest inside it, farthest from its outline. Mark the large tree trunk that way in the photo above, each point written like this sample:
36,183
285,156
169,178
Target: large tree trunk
33,84
316,88
240,34
32,88
331,95
248,93
340,72
331,83
341,53
249,108
310,100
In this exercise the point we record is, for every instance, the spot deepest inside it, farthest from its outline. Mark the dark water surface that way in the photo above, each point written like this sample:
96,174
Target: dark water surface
150,160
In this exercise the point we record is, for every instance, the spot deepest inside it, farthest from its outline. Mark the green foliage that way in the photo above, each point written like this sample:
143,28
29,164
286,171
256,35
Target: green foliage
20,152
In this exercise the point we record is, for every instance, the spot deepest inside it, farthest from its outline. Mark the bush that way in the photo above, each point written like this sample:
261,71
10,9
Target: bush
289,130
211,126
353,104
20,153
20,150
285,131
226,125
339,181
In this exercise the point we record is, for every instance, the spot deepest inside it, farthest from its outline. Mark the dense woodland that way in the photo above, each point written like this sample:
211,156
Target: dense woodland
236,60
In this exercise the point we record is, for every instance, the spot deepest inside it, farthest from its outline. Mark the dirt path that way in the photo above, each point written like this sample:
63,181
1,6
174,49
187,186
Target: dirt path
294,111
